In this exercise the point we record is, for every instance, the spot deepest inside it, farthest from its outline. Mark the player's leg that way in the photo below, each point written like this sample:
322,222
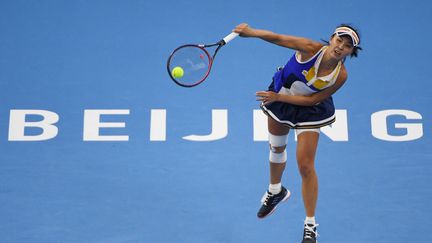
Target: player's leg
277,157
277,141
307,142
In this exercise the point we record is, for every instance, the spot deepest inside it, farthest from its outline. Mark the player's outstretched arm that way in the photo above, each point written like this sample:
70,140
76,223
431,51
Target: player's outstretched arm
301,44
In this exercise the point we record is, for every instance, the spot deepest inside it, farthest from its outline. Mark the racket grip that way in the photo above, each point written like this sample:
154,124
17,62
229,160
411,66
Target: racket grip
230,37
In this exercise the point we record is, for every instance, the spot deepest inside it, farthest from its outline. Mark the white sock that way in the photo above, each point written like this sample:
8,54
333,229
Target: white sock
275,188
310,220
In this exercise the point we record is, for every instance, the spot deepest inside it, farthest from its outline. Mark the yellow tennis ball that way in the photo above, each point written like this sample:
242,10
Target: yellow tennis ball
177,72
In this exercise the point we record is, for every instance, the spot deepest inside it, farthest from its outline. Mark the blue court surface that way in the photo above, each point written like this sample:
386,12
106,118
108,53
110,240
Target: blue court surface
97,144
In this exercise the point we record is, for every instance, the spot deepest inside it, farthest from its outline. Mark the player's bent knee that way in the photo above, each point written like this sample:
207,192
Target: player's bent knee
277,148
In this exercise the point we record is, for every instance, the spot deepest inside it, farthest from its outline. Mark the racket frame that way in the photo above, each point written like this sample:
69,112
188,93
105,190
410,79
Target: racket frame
203,47
210,58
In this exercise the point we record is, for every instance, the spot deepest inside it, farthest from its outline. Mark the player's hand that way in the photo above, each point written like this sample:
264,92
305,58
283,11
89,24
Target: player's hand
244,30
267,97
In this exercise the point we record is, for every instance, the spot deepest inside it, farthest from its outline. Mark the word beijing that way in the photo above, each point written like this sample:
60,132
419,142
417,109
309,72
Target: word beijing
93,122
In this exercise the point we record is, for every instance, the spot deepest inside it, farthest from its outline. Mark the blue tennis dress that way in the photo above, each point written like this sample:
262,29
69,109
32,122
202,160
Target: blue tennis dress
300,78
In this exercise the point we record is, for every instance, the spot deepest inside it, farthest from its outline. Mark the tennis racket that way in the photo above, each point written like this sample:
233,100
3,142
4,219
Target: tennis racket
189,65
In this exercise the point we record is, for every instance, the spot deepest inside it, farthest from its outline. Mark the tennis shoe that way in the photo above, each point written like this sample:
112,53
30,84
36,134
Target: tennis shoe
270,202
310,233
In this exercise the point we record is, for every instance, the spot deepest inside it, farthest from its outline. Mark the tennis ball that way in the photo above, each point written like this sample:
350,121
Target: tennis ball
177,72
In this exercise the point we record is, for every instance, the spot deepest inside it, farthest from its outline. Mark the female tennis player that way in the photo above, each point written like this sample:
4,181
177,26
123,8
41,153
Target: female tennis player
299,98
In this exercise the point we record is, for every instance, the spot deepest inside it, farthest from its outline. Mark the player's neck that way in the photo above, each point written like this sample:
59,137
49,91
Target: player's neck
328,62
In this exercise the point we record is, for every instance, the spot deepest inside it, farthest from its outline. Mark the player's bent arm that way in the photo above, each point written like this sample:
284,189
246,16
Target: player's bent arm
316,97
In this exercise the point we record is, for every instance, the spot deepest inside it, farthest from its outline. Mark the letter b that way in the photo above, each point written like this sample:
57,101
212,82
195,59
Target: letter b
18,123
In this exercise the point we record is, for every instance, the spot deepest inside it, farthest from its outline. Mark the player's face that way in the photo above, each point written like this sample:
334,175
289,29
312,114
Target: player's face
341,46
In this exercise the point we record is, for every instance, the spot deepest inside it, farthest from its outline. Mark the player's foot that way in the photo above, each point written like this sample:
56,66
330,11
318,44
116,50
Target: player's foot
270,202
310,233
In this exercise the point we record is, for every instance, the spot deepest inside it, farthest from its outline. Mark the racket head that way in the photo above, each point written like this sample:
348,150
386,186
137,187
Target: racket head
195,62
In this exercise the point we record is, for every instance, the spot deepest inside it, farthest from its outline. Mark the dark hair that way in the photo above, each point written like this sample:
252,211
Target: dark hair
356,48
